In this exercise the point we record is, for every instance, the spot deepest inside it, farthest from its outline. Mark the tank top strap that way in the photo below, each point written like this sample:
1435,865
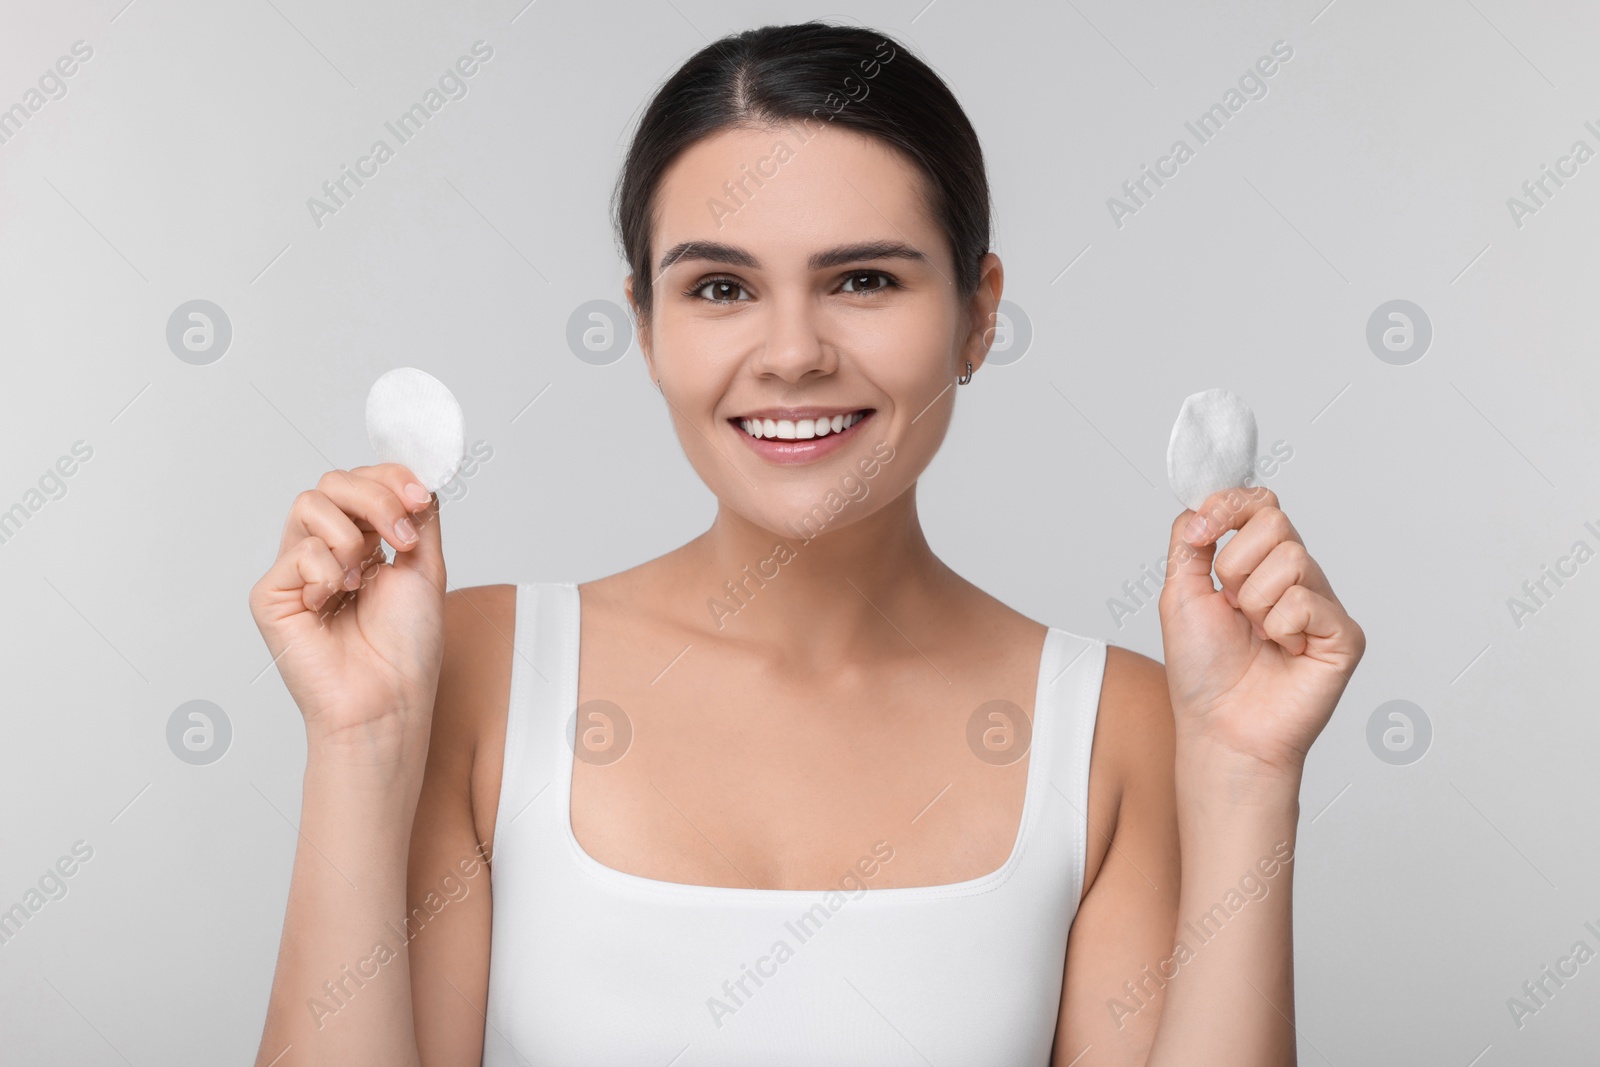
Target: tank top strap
543,663
1071,671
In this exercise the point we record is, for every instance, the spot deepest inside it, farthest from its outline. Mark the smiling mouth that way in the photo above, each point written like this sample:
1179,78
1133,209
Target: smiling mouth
800,429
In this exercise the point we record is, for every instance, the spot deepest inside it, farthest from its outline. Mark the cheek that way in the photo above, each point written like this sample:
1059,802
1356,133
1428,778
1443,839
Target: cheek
908,352
697,350
917,376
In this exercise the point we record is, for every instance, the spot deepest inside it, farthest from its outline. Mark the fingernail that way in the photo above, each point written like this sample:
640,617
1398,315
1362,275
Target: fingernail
416,493
352,578
405,531
1196,528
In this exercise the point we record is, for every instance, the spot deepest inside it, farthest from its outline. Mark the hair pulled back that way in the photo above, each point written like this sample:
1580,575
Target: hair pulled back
809,75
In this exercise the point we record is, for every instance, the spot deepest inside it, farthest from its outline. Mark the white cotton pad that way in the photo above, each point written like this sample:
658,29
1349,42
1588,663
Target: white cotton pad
413,420
1213,446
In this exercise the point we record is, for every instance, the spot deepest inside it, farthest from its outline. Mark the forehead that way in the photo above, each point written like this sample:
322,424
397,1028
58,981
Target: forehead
775,189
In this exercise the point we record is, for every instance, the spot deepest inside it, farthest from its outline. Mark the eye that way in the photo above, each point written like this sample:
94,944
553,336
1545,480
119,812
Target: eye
889,281
721,286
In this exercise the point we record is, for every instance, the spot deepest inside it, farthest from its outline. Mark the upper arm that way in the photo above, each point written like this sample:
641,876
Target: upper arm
447,879
1124,929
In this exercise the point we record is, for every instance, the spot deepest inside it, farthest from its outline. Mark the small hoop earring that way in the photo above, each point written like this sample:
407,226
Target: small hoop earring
967,377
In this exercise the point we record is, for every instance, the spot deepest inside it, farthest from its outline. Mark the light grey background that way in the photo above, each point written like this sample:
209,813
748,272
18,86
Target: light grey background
1377,167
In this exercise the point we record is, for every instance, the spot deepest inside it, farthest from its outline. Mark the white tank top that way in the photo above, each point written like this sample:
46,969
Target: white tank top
592,965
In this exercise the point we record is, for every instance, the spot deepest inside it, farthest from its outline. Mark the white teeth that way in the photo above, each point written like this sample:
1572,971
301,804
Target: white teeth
801,429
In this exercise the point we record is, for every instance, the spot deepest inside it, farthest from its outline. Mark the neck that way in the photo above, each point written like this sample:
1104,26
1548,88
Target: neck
845,588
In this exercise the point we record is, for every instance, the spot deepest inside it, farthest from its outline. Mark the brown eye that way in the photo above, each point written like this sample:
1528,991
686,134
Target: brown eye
888,282
721,289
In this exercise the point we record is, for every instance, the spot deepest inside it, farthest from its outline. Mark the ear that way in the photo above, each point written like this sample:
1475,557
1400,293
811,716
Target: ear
985,304
641,326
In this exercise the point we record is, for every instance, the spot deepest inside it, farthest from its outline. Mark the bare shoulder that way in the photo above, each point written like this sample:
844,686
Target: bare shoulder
1132,876
1131,764
453,828
1135,705
475,612
469,714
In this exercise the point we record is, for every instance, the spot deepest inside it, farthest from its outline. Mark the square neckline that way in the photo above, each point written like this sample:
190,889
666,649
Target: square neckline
1042,737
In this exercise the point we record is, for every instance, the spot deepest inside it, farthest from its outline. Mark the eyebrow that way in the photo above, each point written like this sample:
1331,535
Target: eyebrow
717,252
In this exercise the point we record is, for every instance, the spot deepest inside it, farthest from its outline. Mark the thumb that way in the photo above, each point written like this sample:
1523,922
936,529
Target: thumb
1188,569
426,557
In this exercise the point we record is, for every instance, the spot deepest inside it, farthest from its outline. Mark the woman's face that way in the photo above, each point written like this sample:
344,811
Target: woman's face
780,309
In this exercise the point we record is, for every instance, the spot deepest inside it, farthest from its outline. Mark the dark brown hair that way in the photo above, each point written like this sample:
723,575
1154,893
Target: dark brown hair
814,73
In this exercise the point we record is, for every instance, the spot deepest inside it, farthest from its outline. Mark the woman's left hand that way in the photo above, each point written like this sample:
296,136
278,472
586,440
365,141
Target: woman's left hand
1256,667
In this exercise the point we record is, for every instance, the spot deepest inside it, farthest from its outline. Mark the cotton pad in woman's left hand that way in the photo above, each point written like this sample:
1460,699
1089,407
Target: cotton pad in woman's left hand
1213,446
413,420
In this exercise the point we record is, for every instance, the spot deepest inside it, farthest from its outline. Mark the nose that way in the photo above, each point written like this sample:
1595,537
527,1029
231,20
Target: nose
794,344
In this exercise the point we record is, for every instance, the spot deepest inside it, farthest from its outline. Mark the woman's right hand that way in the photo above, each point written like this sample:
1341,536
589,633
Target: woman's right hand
357,640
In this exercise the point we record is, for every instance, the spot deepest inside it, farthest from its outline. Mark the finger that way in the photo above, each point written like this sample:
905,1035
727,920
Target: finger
379,497
1256,539
1287,565
408,488
314,514
1303,621
1190,551
396,476
324,577
1188,569
427,555
1227,509
308,572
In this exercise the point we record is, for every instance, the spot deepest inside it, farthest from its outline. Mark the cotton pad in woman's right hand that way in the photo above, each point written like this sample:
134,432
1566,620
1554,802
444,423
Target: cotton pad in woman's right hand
414,420
1213,446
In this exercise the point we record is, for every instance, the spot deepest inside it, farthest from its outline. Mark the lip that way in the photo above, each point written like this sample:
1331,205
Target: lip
800,451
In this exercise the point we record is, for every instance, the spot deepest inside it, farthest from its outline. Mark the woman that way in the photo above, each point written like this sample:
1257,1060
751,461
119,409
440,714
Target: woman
822,800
